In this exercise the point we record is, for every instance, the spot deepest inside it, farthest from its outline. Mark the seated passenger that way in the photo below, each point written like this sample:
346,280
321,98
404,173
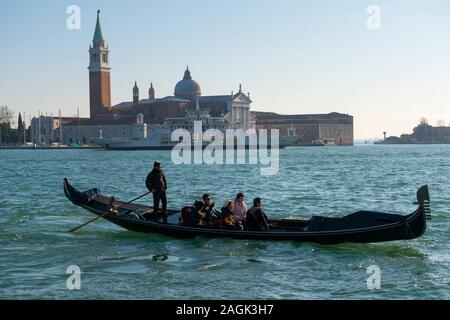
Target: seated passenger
197,214
209,210
226,215
256,219
193,215
239,208
186,214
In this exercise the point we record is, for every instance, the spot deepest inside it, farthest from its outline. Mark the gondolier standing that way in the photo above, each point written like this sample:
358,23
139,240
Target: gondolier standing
156,183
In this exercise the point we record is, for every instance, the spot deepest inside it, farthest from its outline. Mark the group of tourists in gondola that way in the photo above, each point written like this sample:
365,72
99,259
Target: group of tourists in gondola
233,215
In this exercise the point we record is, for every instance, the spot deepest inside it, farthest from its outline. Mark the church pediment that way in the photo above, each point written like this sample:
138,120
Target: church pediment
241,97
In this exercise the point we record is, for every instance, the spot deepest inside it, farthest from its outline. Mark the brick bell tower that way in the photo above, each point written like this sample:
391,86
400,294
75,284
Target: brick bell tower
99,74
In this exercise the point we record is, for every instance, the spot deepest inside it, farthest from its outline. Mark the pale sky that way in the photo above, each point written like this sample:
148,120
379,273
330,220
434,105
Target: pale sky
293,56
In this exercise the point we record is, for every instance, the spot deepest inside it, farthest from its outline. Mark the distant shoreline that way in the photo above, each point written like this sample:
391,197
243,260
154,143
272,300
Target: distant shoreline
161,148
410,144
166,148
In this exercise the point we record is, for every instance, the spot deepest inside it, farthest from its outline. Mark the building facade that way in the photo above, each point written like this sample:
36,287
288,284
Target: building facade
330,129
423,133
46,129
49,130
231,111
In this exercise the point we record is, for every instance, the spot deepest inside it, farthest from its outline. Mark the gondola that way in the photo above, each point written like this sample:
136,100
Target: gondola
358,227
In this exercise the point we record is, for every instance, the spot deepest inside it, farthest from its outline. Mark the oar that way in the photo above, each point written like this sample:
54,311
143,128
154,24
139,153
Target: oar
111,202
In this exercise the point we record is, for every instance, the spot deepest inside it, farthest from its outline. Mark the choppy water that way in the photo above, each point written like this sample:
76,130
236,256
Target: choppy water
36,249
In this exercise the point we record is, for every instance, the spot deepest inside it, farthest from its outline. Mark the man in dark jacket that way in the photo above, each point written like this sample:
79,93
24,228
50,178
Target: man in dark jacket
209,209
156,183
256,219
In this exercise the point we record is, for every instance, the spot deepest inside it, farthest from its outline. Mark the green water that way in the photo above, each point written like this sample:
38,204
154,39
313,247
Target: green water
36,249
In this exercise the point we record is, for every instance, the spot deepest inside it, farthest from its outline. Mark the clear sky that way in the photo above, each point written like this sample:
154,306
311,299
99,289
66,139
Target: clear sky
293,56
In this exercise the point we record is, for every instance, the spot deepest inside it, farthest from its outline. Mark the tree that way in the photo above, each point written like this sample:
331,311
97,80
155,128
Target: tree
6,114
5,129
20,128
7,135
440,123
423,121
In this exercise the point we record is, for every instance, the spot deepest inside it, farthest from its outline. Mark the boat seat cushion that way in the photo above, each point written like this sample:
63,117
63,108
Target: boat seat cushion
315,223
86,196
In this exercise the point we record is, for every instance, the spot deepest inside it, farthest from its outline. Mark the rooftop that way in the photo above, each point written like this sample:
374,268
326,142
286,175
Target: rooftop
275,118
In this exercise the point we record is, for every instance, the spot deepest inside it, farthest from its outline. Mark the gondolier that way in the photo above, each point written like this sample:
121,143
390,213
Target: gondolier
157,184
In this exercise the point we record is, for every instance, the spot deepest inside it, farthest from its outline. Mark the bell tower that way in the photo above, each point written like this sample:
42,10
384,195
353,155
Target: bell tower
151,92
99,74
135,93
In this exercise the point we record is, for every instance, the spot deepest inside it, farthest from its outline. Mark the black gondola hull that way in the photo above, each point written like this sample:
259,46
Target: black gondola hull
360,227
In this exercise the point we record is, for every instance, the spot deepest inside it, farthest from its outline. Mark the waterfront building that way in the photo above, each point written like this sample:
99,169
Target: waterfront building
47,130
187,104
329,129
233,110
423,133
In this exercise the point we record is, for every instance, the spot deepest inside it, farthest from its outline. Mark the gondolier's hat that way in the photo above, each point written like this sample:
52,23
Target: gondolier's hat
156,164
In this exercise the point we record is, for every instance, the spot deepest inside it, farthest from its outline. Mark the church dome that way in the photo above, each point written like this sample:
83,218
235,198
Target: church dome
187,88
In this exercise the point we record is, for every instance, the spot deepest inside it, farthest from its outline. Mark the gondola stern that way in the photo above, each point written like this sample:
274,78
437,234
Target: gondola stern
416,224
423,200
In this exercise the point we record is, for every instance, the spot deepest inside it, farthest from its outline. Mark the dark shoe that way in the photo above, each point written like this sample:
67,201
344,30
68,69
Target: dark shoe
165,215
